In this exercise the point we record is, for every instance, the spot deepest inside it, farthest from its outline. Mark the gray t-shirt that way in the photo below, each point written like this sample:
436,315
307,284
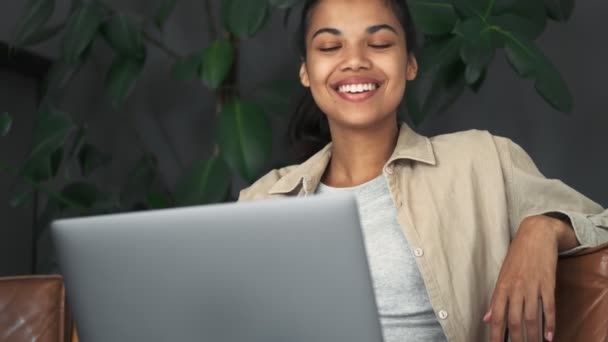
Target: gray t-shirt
403,304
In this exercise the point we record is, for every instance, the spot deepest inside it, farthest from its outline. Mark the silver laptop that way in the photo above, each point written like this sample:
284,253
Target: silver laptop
283,270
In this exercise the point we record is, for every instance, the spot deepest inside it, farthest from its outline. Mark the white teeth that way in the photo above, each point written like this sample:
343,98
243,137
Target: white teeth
357,88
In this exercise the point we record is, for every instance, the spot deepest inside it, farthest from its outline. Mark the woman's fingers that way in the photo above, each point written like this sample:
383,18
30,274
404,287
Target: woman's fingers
515,310
497,317
531,316
548,299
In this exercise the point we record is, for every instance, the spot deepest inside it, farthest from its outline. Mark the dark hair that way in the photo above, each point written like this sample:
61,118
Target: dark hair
308,127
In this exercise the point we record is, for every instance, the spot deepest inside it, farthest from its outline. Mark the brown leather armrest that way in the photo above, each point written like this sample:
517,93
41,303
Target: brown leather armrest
33,308
582,296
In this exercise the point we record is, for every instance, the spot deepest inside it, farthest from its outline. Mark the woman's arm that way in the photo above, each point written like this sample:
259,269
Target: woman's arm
547,217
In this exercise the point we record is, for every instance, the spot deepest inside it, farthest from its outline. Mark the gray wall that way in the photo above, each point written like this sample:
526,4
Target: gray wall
567,147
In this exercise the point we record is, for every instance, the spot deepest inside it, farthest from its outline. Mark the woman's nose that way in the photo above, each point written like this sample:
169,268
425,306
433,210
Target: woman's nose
356,59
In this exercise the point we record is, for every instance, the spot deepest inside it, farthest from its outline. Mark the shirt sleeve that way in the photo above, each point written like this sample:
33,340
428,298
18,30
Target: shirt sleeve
529,193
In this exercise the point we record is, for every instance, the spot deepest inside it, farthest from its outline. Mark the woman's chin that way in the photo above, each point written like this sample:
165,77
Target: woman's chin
363,120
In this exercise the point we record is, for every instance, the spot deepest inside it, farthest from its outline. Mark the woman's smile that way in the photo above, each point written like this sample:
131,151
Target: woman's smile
357,88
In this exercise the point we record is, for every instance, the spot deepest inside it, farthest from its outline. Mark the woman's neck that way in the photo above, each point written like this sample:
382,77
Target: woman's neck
358,155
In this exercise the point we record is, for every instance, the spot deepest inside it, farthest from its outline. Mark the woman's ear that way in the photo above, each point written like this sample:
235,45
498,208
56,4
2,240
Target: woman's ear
304,75
412,67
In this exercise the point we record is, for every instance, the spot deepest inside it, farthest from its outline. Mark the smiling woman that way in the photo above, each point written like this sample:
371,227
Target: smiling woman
322,47
460,229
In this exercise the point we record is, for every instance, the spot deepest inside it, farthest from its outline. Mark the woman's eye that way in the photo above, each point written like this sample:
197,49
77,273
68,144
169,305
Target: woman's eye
380,46
329,49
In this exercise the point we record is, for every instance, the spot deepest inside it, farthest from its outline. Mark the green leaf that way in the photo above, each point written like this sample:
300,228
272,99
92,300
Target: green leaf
447,85
205,182
522,16
439,53
50,134
244,17
125,36
433,17
473,8
74,5
163,13
121,79
60,74
78,141
477,84
560,10
139,180
41,35
284,3
412,103
518,24
6,122
37,14
186,68
217,62
21,198
530,62
82,27
477,50
552,87
276,96
82,194
158,200
244,137
56,159
90,158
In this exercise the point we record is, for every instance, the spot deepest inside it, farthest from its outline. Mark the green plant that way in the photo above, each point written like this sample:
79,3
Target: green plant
461,37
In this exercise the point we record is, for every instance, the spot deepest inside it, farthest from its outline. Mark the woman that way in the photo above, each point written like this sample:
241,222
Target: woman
460,229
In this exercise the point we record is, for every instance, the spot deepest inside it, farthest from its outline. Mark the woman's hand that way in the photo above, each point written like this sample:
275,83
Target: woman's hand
527,276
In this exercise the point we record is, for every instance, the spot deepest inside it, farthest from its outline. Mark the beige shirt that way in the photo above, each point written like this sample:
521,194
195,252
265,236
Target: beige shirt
460,200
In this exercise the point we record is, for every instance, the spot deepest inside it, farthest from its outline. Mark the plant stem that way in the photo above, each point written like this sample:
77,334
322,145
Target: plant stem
167,138
210,21
40,187
34,240
489,9
160,45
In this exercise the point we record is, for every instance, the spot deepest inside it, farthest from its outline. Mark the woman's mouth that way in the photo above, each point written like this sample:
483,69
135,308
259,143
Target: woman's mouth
357,92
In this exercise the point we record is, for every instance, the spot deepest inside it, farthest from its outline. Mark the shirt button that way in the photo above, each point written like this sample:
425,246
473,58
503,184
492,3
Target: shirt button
418,252
389,170
443,314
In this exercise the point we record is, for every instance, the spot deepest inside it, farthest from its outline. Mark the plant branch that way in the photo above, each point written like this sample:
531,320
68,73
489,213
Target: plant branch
160,45
167,138
41,187
34,239
210,21
489,9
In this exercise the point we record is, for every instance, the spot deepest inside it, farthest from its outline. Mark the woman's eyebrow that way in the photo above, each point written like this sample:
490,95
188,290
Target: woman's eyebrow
370,30
329,30
376,28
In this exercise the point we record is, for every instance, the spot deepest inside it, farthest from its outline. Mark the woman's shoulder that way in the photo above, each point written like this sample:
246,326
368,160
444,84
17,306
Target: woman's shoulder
473,140
472,145
259,189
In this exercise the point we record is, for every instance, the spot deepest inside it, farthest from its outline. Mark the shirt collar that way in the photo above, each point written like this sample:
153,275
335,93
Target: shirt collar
410,145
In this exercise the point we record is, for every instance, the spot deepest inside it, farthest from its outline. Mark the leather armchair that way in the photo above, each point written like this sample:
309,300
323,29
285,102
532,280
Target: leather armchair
582,297
33,308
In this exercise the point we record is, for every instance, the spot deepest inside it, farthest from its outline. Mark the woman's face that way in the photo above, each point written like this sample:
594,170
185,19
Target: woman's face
356,62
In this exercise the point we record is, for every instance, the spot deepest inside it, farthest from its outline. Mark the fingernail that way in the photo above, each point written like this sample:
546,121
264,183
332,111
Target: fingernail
487,316
549,336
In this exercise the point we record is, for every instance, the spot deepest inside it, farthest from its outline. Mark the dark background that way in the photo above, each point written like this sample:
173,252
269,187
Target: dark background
173,118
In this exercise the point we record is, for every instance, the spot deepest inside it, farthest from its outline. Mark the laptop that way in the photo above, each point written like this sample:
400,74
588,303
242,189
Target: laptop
280,270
